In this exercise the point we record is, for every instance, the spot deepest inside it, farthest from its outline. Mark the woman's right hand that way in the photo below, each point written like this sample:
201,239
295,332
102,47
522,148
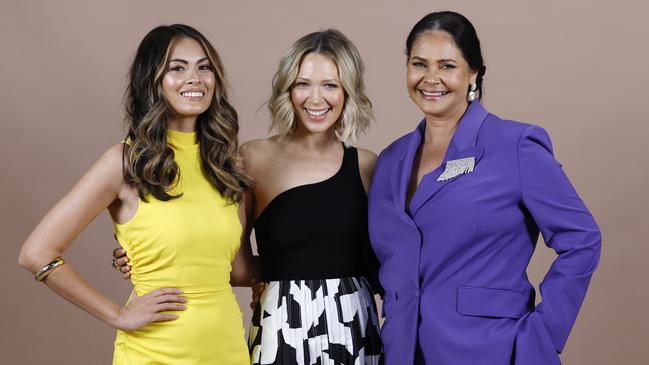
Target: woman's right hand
258,288
141,311
121,262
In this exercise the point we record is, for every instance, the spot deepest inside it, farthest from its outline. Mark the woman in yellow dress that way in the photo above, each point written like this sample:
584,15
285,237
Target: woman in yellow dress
173,191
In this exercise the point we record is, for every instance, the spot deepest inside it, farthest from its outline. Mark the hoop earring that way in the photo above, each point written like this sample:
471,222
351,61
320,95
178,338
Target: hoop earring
471,96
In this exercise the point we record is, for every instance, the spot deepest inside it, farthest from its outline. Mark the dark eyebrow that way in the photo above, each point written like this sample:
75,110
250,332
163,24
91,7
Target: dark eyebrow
418,59
185,62
444,60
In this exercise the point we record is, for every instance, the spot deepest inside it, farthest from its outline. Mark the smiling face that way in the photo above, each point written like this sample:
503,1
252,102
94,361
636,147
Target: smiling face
188,82
438,76
317,94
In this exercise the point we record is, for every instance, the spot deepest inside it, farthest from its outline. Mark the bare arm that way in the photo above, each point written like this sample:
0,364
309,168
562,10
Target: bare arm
245,267
366,163
96,190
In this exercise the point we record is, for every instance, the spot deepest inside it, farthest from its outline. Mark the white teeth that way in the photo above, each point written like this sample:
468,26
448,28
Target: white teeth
436,93
316,113
192,94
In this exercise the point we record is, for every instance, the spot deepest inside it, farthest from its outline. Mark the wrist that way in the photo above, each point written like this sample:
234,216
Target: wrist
114,317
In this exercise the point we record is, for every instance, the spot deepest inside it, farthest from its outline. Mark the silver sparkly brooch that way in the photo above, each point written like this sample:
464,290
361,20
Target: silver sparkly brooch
457,167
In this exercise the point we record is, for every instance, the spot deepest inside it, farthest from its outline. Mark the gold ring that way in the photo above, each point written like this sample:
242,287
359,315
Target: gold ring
114,265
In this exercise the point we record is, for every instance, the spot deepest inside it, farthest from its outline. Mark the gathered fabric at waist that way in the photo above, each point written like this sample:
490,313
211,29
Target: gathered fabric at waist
190,273
219,283
186,291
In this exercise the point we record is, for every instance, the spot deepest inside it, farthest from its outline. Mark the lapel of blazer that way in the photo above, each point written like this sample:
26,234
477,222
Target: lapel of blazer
400,173
463,145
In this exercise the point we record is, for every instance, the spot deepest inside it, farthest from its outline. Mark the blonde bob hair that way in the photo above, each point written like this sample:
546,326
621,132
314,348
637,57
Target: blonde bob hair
356,114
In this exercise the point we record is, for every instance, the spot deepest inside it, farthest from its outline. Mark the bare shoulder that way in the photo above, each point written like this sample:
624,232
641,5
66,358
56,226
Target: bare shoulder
257,147
103,182
111,163
257,152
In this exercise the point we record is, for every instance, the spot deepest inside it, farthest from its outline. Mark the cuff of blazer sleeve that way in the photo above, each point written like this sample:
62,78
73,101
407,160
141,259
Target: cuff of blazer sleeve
534,345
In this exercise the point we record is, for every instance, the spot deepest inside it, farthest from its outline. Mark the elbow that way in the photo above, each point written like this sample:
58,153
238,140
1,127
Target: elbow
594,242
597,245
588,240
238,282
33,259
595,237
236,279
27,259
245,274
243,279
591,250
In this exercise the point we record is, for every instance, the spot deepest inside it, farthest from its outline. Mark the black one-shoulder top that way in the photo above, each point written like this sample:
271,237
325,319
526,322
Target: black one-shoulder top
319,230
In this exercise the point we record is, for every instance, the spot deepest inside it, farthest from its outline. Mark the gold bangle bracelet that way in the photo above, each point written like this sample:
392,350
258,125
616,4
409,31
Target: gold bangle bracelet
47,269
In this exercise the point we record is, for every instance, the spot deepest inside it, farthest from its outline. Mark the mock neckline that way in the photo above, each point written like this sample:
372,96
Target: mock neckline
183,141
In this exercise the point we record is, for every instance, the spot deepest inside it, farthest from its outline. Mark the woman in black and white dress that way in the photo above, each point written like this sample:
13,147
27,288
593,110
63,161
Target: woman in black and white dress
309,212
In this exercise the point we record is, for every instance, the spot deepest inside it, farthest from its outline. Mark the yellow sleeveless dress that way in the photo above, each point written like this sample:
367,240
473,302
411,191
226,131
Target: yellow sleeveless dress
187,243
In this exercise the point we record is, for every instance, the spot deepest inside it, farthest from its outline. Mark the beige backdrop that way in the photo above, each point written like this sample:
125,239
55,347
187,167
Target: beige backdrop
578,68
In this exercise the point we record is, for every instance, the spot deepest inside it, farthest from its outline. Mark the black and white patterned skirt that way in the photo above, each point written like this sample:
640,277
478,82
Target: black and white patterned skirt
305,322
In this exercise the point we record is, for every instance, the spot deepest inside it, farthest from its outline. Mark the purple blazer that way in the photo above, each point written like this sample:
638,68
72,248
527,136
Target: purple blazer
453,263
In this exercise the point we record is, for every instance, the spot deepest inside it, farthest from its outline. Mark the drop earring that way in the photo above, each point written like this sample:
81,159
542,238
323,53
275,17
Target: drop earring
471,96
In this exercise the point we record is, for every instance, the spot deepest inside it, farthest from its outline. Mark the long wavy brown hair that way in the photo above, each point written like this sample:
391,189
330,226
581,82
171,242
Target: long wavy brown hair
148,160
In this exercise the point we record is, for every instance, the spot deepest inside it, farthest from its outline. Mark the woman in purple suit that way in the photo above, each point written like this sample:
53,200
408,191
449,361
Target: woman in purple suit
455,210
